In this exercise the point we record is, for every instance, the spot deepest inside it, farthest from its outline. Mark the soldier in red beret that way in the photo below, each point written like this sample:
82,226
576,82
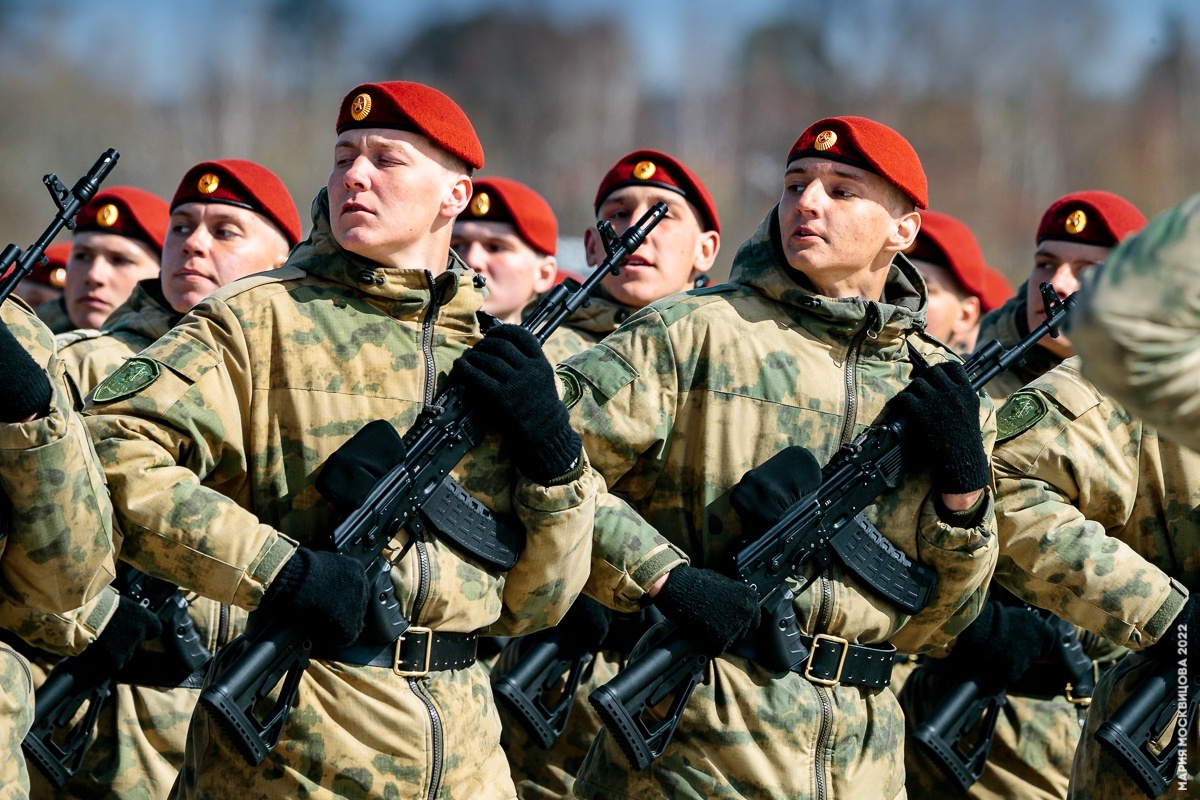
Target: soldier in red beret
44,283
962,287
509,235
118,242
213,439
708,413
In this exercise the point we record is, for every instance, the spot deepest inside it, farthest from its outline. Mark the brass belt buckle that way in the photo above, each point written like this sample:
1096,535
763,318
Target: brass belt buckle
419,673
845,643
1083,702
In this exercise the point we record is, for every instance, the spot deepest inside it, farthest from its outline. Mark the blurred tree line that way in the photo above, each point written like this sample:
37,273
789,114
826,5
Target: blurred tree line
995,97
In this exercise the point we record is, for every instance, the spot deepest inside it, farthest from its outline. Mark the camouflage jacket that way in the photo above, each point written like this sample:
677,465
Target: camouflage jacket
58,550
675,407
1095,510
93,355
212,440
16,715
1137,326
53,313
586,327
1007,325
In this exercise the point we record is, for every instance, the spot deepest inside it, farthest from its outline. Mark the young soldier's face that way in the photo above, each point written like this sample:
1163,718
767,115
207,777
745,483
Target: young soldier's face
951,313
1061,264
101,273
834,220
515,272
389,192
674,252
211,244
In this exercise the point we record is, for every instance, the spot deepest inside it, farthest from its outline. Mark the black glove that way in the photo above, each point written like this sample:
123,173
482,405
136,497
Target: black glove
715,609
131,626
27,388
326,592
1000,645
349,475
765,492
582,629
1170,644
508,376
942,414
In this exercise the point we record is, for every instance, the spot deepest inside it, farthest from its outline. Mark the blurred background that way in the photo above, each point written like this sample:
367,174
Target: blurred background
1010,103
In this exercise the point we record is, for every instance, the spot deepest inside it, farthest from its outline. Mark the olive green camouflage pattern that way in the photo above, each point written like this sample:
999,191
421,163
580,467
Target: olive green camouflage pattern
53,314
58,551
212,446
587,326
1008,325
675,406
16,715
93,355
1137,325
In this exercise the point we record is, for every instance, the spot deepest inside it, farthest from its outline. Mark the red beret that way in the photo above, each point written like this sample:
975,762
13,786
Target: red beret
504,200
407,106
652,168
869,145
126,211
948,242
997,289
1100,218
243,184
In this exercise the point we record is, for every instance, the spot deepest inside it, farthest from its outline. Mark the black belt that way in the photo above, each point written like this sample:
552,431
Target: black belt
415,654
833,660
160,671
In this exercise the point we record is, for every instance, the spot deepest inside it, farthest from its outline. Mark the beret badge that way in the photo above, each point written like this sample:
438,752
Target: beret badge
825,140
360,107
107,215
481,204
644,170
1076,221
208,183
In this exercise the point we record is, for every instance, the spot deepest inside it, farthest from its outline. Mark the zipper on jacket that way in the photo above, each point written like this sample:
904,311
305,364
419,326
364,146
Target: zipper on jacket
850,366
435,719
823,741
427,338
24,668
222,627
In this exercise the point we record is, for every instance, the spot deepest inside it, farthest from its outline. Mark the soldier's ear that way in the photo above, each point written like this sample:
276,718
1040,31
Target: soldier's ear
458,195
708,243
904,232
592,247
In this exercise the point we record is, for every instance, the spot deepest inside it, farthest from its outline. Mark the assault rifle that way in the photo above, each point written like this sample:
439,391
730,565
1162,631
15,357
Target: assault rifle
958,734
69,201
825,524
52,744
1142,734
415,494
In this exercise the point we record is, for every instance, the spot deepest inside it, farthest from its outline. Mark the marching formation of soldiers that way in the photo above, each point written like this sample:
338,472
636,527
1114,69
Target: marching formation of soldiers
199,393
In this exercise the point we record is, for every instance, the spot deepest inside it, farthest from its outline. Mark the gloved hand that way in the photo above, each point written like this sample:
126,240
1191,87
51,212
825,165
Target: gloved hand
131,626
765,492
716,609
27,388
1177,641
1000,645
325,591
508,376
582,629
349,475
942,414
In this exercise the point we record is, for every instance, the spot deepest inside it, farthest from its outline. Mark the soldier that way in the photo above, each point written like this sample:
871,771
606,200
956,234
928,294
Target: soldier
51,308
1075,233
681,247
1136,324
1036,736
509,235
816,332
118,242
213,437
962,287
228,219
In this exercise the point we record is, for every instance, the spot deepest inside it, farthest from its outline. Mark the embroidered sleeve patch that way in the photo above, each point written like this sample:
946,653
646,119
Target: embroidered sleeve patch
134,375
1020,413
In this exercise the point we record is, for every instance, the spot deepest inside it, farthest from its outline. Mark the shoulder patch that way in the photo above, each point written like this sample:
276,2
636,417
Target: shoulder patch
1020,413
134,375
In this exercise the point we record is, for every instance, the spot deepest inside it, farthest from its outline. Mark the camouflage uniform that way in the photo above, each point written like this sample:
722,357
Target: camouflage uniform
1098,506
1137,326
16,714
675,407
212,449
1008,325
537,772
53,314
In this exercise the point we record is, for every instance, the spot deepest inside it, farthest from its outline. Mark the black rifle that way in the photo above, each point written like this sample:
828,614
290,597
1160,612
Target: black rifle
52,744
415,494
828,519
69,201
957,736
1141,735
